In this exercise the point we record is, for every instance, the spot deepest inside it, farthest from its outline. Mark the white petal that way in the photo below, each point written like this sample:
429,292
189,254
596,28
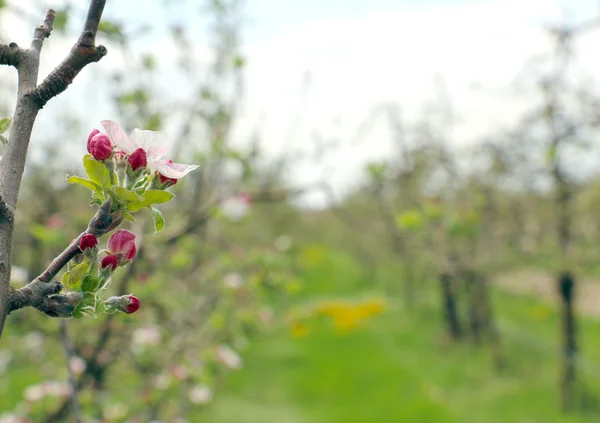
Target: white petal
172,170
155,144
118,136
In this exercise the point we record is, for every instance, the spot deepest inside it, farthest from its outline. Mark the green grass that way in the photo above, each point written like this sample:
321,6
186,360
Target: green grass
401,368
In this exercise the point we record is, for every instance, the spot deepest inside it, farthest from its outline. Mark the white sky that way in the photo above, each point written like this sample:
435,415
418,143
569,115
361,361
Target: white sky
360,54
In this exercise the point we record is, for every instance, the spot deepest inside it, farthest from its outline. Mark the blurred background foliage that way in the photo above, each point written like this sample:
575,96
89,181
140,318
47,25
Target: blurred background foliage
255,308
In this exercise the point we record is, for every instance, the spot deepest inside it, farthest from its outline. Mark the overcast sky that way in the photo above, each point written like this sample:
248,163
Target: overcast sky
359,54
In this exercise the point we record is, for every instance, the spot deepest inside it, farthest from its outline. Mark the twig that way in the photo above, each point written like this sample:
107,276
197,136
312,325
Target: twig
83,53
41,292
69,355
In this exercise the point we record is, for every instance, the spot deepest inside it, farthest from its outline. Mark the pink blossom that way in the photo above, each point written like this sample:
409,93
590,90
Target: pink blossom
165,180
153,143
123,242
237,207
227,356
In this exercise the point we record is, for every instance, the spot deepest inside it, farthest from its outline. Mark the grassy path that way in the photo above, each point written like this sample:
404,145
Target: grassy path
399,369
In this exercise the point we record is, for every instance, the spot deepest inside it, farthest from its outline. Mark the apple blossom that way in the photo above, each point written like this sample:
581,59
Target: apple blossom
227,356
236,207
153,143
164,180
200,394
123,242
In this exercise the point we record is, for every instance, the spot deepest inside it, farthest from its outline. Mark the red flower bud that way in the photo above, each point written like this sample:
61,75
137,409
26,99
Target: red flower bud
165,180
92,134
138,159
122,242
134,305
111,261
87,241
120,154
100,147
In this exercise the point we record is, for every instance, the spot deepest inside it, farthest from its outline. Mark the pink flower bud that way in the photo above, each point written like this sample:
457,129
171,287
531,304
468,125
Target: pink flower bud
123,242
92,134
110,261
165,180
133,306
120,154
138,159
87,241
100,147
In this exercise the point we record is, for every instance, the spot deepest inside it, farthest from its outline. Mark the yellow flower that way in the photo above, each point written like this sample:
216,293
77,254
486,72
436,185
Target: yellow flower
299,330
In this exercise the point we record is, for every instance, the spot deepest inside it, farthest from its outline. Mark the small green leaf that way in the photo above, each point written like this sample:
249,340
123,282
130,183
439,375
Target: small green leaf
76,276
159,220
3,140
4,124
77,314
128,216
65,278
155,196
96,171
90,283
152,196
125,195
84,183
409,220
100,307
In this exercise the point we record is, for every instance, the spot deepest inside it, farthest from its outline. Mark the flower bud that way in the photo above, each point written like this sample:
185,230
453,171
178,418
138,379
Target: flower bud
166,181
133,306
100,147
123,242
87,241
110,261
89,141
138,159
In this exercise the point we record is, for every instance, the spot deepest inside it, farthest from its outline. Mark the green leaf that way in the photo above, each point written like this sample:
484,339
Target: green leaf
84,183
76,276
4,124
128,216
409,220
96,171
77,314
65,279
156,196
3,140
152,196
125,195
159,220
90,283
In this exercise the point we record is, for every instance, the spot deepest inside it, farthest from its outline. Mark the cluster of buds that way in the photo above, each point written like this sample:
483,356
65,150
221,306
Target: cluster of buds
121,250
126,173
139,155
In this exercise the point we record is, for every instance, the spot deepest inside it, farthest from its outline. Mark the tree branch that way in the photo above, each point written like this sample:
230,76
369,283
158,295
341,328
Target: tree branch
9,54
42,292
83,53
43,31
